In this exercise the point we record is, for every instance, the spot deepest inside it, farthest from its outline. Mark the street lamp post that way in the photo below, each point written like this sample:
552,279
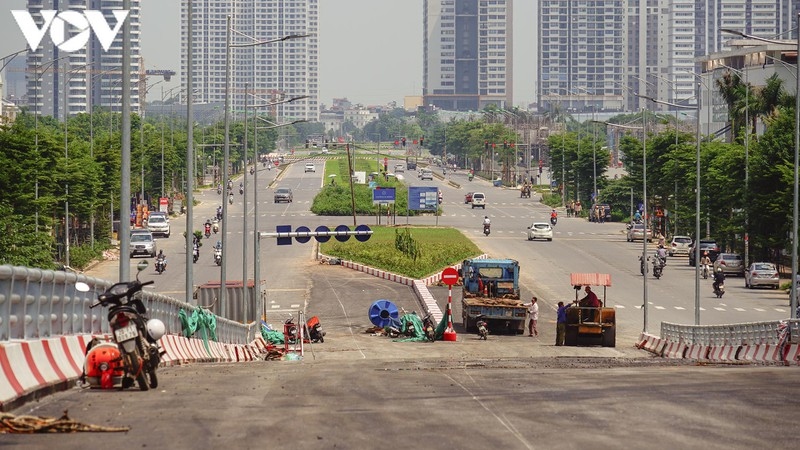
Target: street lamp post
697,203
644,201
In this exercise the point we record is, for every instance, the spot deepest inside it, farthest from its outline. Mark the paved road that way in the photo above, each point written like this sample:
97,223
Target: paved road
358,390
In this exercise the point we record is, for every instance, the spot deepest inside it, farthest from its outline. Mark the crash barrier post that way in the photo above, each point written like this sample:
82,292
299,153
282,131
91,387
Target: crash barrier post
765,342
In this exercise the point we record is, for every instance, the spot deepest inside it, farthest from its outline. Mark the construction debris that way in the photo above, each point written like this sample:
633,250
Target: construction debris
10,423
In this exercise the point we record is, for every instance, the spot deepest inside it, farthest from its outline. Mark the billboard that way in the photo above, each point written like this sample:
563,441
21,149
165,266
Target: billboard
423,198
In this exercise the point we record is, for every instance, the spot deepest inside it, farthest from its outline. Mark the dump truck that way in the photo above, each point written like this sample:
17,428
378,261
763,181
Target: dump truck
587,325
491,291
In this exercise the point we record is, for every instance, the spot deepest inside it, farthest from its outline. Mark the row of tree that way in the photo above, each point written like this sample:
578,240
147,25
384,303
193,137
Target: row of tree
48,167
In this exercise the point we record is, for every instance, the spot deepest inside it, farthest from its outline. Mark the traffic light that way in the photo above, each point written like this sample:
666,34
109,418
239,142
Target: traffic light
541,164
486,145
505,145
403,141
422,141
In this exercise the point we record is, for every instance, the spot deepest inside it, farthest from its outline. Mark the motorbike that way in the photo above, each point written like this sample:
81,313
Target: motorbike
215,226
470,177
642,265
553,220
195,253
219,213
135,337
429,327
252,171
207,229
161,264
486,229
218,255
314,330
483,327
658,267
241,190
230,198
719,290
705,271
219,190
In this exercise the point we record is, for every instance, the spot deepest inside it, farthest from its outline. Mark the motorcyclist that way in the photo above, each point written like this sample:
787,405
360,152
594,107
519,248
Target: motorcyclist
486,221
230,185
162,258
637,217
554,214
207,226
662,254
219,212
719,278
705,263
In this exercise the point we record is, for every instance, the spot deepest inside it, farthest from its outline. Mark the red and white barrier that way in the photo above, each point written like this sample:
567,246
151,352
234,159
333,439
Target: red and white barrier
674,350
722,353
697,351
792,355
761,353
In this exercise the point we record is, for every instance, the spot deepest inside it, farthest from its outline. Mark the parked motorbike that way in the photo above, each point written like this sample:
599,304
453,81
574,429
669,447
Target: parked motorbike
483,327
314,329
161,264
429,327
136,338
486,229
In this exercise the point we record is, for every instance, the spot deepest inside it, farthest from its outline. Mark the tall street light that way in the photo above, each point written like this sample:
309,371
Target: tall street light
697,203
228,46
742,75
796,192
644,201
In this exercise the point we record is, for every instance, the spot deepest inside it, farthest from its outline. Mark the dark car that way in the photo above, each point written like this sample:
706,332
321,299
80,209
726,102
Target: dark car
706,245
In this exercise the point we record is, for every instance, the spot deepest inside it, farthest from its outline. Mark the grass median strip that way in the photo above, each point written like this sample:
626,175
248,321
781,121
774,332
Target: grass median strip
393,249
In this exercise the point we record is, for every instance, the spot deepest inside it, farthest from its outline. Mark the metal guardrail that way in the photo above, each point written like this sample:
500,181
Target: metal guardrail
36,303
750,333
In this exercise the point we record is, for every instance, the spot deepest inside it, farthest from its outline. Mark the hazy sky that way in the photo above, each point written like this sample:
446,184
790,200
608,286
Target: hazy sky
370,50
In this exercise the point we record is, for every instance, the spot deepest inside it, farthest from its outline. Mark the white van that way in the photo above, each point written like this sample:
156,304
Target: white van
478,200
426,174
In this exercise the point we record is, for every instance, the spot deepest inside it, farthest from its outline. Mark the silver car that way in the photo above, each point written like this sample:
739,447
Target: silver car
730,263
142,242
540,230
636,232
761,274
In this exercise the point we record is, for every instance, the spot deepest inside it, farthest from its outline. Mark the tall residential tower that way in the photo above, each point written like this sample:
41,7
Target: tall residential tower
61,83
269,72
468,54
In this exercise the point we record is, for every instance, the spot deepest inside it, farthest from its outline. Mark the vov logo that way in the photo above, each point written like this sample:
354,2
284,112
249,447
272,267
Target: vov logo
58,23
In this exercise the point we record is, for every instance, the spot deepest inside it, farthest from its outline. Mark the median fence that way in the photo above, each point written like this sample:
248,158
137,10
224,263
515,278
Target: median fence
774,342
46,324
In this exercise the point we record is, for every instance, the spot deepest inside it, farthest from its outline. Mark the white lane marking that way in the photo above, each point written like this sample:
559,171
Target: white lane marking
719,309
681,308
660,307
739,309
759,309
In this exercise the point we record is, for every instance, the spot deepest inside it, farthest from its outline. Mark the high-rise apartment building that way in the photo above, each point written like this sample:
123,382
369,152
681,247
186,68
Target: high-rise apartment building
61,84
271,72
468,54
581,54
598,54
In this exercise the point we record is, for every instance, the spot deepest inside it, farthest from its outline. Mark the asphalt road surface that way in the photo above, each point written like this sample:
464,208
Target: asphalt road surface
359,390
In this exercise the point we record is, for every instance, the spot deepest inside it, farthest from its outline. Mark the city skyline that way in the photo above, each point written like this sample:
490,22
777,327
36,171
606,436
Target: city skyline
368,55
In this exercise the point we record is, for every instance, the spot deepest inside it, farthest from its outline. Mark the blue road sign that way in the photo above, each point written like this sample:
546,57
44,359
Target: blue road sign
423,198
383,195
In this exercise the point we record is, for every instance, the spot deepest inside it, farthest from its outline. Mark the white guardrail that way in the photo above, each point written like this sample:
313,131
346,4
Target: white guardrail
36,303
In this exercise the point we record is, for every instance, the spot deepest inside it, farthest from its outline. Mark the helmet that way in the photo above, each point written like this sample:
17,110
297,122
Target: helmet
719,269
660,245
156,329
485,217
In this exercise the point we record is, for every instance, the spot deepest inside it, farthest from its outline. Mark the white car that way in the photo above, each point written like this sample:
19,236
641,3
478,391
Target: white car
680,245
540,230
158,224
478,200
310,168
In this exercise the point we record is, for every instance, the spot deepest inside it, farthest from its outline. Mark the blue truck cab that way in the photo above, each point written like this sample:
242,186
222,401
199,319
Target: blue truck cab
491,290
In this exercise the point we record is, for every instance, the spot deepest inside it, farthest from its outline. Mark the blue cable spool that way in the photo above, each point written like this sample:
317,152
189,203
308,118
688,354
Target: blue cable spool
384,313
